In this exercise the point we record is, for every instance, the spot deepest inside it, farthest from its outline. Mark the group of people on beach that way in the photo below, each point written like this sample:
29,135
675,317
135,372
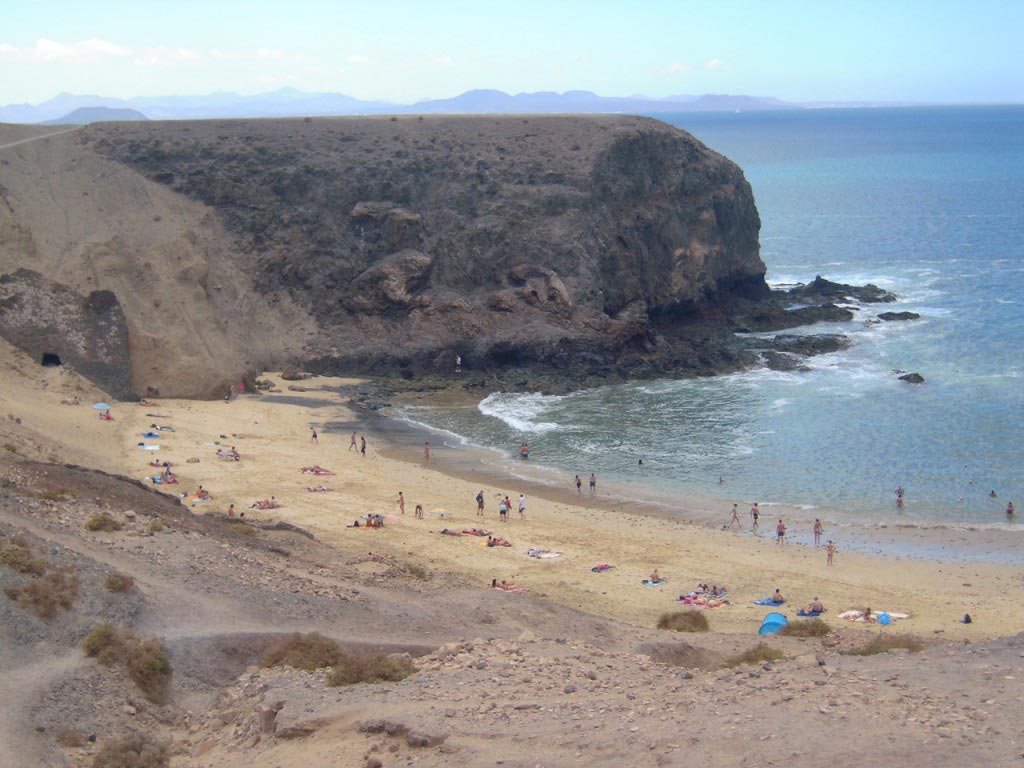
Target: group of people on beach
780,529
579,484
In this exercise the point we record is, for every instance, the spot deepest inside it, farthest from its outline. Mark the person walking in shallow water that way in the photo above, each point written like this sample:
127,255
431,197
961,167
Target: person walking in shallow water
593,483
755,513
579,486
780,533
818,529
735,517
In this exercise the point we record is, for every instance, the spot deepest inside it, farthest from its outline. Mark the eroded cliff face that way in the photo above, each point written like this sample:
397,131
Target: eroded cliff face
602,244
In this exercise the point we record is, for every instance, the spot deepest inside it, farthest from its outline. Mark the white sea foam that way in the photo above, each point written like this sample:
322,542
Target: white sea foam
520,412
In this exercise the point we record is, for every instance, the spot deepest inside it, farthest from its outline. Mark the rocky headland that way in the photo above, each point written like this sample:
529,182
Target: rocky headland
546,252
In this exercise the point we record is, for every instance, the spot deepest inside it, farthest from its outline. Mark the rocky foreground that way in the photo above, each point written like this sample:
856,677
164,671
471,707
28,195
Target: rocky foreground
500,679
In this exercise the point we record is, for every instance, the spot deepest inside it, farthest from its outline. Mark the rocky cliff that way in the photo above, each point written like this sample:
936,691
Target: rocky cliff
590,247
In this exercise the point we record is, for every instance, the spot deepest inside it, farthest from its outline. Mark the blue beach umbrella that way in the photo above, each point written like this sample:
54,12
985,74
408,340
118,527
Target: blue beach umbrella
101,407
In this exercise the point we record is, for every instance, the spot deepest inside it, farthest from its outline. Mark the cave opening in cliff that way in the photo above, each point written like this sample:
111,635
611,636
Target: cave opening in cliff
50,360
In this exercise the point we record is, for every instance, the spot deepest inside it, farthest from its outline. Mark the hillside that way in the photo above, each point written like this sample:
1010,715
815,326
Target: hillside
86,115
392,245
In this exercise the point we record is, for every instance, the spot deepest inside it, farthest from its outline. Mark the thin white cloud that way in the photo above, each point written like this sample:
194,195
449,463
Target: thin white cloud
675,68
357,58
160,57
443,60
714,64
47,50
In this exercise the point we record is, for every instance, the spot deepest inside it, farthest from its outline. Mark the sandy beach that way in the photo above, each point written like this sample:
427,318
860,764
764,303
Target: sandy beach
272,435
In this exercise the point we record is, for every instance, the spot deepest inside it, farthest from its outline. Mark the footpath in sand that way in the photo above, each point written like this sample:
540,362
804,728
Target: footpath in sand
272,434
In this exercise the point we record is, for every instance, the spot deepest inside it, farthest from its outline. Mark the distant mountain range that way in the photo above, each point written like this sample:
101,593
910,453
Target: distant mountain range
290,102
86,115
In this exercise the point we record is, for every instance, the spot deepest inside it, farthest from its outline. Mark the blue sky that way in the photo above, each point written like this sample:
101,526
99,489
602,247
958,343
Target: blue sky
404,51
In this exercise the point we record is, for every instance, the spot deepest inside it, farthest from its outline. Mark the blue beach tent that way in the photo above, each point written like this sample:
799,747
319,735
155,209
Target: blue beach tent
772,623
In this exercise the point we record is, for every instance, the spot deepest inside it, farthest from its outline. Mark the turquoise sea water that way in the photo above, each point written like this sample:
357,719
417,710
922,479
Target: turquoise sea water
926,202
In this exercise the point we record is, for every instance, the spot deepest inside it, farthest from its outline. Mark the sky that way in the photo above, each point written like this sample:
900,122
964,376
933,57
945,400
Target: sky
403,51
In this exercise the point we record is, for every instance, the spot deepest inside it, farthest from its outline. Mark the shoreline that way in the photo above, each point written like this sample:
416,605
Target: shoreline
272,434
967,542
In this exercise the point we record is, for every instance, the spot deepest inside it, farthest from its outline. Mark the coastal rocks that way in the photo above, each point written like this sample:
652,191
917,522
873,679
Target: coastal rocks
87,332
822,291
780,361
890,316
817,344
912,378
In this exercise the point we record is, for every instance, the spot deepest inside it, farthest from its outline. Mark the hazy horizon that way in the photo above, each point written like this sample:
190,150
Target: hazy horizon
404,52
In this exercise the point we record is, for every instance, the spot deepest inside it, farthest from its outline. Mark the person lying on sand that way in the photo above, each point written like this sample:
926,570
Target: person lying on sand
497,541
316,469
601,568
270,503
318,489
504,586
447,532
476,532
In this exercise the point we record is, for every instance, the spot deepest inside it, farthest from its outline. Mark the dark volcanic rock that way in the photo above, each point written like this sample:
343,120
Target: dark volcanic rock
596,246
912,378
819,344
780,361
899,316
821,291
87,332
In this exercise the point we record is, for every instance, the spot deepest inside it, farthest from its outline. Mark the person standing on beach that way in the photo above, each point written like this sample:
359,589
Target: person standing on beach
1009,509
458,363
352,443
362,445
426,451
899,496
830,550
522,507
780,533
593,483
401,502
754,513
312,436
818,529
502,511
419,511
735,516
480,502
579,486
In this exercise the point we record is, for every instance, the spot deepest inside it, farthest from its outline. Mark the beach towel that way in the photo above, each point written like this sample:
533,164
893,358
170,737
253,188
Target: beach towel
158,415
767,601
477,532
151,435
649,583
875,616
149,447
811,614
541,553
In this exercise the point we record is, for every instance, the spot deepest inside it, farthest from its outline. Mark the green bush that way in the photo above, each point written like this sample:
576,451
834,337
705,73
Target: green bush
145,660
18,556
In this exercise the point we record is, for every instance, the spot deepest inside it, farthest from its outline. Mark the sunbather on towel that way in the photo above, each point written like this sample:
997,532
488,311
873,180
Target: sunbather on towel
497,541
602,567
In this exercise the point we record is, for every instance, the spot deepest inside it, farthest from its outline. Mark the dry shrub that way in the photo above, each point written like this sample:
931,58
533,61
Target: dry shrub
68,737
145,660
308,652
56,494
243,528
417,571
103,522
132,751
18,556
756,655
376,668
56,589
155,526
806,628
886,643
119,582
684,621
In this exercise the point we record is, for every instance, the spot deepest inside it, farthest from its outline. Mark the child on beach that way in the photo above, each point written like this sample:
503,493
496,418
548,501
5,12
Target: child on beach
401,502
312,436
830,549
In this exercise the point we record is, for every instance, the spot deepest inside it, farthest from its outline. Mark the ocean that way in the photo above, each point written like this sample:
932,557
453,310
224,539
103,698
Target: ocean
925,202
